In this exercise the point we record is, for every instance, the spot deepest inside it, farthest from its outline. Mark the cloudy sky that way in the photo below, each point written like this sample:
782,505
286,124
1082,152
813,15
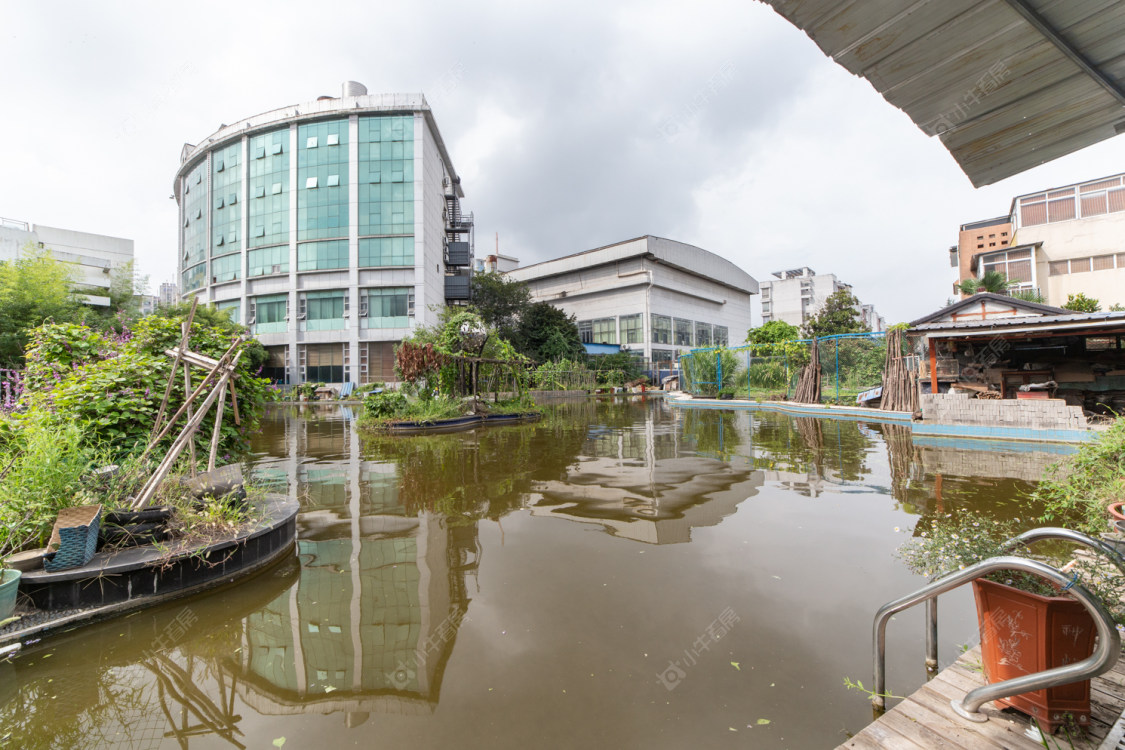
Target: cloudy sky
573,125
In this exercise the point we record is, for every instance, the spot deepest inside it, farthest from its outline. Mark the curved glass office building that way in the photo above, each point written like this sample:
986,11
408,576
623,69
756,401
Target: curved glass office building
330,228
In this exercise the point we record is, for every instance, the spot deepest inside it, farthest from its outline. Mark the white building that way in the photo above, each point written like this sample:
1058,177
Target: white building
655,297
799,293
169,294
332,228
92,256
1074,237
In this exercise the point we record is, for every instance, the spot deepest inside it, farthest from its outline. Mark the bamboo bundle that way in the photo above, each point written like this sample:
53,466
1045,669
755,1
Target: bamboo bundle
808,385
900,384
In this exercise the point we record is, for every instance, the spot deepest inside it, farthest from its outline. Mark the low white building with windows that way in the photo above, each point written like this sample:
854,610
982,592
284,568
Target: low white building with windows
797,294
656,298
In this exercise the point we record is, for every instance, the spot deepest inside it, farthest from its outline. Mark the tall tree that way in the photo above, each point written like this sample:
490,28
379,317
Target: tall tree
840,314
500,301
34,288
547,333
773,332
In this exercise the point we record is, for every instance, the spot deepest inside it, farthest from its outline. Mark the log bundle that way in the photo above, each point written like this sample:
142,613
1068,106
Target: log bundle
808,384
900,383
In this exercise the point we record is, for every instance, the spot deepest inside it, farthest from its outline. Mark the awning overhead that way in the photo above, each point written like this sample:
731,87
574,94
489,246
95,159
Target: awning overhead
1006,84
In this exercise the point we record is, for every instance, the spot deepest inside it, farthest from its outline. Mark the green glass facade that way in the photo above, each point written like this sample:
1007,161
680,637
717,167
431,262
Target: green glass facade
322,180
269,189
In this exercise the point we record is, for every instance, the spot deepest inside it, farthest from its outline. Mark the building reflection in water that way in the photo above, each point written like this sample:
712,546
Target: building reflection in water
373,618
653,479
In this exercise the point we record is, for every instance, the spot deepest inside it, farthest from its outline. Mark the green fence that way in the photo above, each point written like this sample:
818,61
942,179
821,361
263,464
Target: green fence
850,364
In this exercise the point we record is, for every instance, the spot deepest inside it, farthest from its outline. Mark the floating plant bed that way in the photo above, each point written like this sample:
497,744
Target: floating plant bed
438,425
120,580
522,416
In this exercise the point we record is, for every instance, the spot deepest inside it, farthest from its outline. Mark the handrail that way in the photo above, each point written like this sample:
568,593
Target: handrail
1102,660
1026,538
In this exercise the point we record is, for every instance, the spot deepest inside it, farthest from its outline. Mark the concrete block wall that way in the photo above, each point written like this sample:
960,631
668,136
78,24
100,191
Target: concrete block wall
959,409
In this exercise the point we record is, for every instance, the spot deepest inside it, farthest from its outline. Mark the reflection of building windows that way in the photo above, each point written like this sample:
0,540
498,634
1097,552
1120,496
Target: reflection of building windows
605,330
268,260
683,330
194,277
661,329
387,307
632,329
315,256
226,268
703,334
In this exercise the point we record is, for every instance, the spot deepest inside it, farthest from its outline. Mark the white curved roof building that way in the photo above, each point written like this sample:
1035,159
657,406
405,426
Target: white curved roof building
654,297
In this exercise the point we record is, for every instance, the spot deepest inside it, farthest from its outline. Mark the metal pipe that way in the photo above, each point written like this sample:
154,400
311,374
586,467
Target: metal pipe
1068,535
931,635
1104,656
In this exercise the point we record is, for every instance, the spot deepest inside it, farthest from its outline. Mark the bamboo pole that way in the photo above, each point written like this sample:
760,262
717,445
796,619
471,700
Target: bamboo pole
218,426
185,335
186,435
180,412
187,389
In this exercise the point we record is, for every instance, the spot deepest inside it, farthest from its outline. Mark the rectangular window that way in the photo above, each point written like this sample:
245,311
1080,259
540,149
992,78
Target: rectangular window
586,331
1033,210
194,277
703,334
269,313
387,307
324,363
1103,262
605,330
324,310
662,358
632,329
661,329
1058,268
380,362
275,368
226,268
720,336
317,256
232,307
386,251
268,260
683,330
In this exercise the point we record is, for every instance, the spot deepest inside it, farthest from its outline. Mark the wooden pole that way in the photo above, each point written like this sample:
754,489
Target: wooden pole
185,335
181,441
187,389
933,367
218,426
187,402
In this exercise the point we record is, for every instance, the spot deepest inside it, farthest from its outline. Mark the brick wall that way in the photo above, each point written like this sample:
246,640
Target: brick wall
958,408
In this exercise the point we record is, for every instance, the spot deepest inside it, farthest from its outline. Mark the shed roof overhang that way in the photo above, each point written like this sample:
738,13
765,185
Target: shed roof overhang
1006,84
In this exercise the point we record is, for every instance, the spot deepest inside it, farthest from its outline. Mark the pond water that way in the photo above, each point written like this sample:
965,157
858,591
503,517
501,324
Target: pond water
619,574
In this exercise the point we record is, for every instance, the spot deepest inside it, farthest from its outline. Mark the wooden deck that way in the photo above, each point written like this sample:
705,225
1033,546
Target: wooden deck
926,720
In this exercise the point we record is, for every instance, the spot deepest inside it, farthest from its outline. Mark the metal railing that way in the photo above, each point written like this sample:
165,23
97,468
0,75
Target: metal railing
1105,654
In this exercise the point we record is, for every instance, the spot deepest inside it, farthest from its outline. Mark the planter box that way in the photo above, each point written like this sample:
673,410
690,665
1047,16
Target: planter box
1023,633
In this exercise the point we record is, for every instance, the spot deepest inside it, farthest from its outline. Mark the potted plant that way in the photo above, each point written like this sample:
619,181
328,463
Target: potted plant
1027,624
9,585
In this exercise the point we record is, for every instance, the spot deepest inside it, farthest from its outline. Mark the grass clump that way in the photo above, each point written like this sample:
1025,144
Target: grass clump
1078,490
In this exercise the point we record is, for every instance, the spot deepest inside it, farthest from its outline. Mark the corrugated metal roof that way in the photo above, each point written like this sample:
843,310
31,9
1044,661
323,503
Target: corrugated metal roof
1023,321
1006,84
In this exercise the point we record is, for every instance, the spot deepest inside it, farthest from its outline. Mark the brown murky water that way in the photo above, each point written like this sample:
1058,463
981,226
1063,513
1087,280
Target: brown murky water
619,574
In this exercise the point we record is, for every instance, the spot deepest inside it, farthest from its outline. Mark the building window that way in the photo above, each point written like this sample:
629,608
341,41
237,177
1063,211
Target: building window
632,329
226,268
703,334
386,251
586,331
683,330
1058,267
605,330
377,362
387,307
233,309
324,310
195,277
386,175
316,256
276,368
1014,265
268,260
269,313
720,335
661,329
322,207
324,363
662,359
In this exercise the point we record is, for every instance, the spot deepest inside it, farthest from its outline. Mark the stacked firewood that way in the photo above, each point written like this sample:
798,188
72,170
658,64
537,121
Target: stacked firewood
900,384
808,385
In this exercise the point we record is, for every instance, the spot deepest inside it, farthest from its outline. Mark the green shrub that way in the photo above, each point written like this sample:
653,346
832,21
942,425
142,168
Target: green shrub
384,405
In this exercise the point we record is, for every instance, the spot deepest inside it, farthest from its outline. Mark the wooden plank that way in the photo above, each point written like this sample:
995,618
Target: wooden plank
186,335
961,734
923,733
879,735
